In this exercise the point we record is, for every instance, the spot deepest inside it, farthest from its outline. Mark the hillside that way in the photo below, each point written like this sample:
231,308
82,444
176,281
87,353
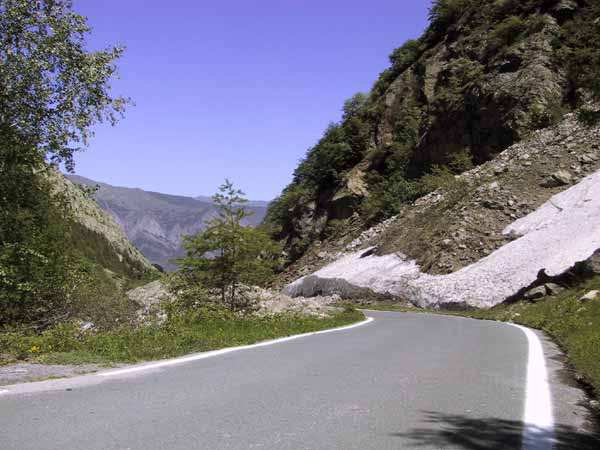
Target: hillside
155,222
98,237
484,76
481,239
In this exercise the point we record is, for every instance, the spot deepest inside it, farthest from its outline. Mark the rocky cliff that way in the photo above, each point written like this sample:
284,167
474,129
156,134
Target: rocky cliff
156,222
484,237
484,76
444,184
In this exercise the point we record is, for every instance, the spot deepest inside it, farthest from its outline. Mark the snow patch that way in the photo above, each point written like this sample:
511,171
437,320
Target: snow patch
564,230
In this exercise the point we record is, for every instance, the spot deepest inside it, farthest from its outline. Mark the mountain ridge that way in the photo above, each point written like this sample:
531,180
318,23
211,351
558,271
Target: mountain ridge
155,222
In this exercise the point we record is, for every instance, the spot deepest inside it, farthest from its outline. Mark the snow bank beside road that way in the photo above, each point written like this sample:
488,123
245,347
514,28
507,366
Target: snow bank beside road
564,230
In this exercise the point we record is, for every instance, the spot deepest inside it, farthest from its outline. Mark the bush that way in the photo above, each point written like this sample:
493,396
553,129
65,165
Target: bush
444,13
463,79
579,51
507,31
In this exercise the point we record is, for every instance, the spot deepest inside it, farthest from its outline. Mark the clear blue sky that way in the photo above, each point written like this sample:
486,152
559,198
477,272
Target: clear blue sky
234,88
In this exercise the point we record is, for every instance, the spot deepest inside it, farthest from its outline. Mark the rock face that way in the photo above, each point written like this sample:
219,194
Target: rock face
474,89
463,222
156,222
546,243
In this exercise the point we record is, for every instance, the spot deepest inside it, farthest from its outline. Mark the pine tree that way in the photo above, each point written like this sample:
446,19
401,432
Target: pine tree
227,256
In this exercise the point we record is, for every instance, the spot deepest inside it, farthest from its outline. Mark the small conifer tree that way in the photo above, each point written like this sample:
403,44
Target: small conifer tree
227,256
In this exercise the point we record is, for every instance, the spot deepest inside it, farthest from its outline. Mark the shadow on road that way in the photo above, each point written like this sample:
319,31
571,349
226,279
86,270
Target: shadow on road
477,434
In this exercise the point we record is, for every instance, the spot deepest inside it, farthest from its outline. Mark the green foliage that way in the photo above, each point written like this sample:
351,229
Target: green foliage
389,194
579,50
282,209
444,13
463,79
507,32
387,197
99,297
461,161
543,115
52,90
339,150
95,247
401,59
34,265
588,116
226,255
405,55
185,332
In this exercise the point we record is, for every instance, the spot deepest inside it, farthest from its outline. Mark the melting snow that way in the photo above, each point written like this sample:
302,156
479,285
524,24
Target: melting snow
564,230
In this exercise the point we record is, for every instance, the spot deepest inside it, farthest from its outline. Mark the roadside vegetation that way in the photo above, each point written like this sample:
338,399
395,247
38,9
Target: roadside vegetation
182,333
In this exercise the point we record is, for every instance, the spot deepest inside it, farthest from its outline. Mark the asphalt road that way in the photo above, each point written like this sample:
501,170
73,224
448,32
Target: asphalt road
401,381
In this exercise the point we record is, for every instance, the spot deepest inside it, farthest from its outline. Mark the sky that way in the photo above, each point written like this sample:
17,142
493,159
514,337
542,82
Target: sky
236,89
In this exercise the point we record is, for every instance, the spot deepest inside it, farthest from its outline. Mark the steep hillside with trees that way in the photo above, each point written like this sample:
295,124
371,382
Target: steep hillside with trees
483,76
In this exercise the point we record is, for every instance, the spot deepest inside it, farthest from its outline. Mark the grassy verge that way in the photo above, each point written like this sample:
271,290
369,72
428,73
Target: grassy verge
65,344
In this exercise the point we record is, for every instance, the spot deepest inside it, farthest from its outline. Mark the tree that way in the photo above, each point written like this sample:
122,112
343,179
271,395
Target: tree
227,256
52,91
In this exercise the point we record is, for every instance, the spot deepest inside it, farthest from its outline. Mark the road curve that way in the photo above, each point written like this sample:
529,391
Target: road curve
401,381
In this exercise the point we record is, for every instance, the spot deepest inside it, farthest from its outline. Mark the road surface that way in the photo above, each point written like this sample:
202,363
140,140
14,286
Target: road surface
400,381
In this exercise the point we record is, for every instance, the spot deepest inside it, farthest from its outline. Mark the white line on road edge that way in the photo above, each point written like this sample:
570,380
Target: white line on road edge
185,359
3,391
538,429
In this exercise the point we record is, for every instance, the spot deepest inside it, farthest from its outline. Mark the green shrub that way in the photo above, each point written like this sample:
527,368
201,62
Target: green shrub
507,32
463,79
578,50
462,161
444,13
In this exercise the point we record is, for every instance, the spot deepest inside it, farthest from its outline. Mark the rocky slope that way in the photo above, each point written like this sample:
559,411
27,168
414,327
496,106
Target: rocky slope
481,239
483,76
100,237
156,222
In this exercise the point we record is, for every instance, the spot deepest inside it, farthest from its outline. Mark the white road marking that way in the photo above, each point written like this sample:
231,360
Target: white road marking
210,354
3,391
538,428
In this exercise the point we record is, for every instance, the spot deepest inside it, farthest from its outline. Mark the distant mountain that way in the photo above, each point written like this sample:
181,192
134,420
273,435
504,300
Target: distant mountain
97,236
156,222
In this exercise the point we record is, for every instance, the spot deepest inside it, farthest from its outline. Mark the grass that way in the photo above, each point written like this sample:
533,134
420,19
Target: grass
182,334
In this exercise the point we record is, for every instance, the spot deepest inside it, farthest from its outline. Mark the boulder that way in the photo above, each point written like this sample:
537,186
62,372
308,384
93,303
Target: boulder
553,288
591,266
535,293
592,295
149,294
558,178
